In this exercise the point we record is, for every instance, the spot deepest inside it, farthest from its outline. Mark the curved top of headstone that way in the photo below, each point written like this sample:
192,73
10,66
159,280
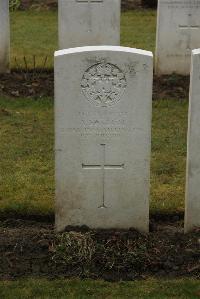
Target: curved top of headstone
102,48
196,51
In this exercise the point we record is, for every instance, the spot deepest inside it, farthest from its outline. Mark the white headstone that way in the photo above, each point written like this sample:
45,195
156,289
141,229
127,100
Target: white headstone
192,214
88,23
178,32
4,36
103,137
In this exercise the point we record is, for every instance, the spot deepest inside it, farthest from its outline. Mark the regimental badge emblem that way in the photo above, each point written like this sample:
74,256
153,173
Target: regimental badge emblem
103,84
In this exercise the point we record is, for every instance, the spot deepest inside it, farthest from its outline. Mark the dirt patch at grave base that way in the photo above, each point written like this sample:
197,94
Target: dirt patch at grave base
27,84
40,83
171,86
30,248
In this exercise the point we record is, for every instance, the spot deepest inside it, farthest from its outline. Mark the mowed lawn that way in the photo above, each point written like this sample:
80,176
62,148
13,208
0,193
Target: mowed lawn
76,289
35,34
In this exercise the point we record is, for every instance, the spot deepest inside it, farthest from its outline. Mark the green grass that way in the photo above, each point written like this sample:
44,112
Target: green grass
35,33
138,29
26,150
169,134
76,289
27,156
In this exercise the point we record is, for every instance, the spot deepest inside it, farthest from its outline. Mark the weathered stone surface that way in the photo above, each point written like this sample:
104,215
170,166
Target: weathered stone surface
88,23
4,36
103,99
192,214
178,32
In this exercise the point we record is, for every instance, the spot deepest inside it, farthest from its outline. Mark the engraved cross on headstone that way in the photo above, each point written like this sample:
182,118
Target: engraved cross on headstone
188,29
89,2
103,166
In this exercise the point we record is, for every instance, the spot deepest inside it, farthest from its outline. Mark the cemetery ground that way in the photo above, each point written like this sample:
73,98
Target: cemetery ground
28,244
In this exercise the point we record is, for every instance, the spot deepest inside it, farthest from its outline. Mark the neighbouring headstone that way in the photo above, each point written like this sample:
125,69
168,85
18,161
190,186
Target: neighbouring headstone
178,32
88,23
103,98
4,36
192,214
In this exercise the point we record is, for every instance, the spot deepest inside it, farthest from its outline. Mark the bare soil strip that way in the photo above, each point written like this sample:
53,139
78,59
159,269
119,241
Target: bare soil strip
31,248
40,83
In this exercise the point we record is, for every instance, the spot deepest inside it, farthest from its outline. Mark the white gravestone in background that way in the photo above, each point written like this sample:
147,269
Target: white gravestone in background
4,36
178,32
88,23
192,215
103,137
